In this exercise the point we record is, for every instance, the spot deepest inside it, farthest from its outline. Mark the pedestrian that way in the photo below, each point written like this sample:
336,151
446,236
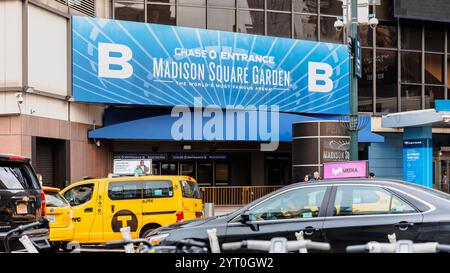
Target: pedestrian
307,178
316,176
371,175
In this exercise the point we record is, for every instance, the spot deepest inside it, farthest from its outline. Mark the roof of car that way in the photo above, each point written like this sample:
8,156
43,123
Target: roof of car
384,181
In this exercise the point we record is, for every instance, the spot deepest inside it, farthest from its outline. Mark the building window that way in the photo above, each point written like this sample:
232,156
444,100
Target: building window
434,68
221,3
365,34
251,4
385,9
433,93
192,2
386,63
192,17
161,14
279,24
411,67
307,6
327,31
305,27
386,35
331,7
284,5
411,37
222,173
129,11
434,39
365,84
411,97
251,22
222,19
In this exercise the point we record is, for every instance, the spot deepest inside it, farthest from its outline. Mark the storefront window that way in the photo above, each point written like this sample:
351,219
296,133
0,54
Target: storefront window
386,35
365,84
331,7
386,64
434,39
308,6
129,11
433,93
434,64
411,67
411,37
411,97
251,22
192,17
305,27
279,24
251,4
448,70
284,5
221,3
205,173
221,19
327,31
161,14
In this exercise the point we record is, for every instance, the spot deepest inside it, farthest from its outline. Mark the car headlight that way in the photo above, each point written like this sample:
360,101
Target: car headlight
156,239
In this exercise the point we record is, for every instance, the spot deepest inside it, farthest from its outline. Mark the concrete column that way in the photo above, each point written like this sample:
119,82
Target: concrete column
418,155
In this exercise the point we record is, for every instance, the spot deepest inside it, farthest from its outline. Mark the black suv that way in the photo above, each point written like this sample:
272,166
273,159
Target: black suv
22,201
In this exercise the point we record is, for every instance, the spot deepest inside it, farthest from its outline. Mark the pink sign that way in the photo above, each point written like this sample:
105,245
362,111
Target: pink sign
349,169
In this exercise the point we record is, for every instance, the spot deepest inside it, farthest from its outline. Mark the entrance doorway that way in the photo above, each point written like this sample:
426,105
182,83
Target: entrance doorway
50,158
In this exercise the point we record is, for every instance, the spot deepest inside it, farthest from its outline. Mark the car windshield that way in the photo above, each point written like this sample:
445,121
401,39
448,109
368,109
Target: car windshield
54,199
17,175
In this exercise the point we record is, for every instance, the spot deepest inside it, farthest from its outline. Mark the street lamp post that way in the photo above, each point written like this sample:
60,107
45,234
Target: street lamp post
352,124
353,132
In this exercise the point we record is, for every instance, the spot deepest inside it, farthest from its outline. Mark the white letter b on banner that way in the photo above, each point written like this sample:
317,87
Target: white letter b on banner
319,82
105,61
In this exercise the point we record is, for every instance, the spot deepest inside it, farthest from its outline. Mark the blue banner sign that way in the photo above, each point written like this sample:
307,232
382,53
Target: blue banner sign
121,62
417,158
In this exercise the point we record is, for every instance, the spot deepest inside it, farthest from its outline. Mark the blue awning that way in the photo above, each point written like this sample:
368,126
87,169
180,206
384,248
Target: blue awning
160,128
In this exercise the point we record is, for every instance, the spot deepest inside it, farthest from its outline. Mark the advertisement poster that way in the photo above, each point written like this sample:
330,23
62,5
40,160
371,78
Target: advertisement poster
122,62
132,166
350,169
417,154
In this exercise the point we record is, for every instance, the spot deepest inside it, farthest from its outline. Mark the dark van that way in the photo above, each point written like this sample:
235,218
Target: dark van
22,200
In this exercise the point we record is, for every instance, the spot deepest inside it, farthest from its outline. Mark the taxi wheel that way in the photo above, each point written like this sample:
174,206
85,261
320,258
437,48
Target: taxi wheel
145,233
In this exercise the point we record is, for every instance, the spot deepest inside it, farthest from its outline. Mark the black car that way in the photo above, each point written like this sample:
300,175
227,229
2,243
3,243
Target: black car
21,201
341,212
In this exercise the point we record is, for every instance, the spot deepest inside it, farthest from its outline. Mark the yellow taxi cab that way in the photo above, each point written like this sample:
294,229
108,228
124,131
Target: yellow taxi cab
59,214
101,207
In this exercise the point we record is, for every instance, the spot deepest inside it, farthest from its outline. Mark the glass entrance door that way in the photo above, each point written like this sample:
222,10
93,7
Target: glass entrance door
188,169
169,168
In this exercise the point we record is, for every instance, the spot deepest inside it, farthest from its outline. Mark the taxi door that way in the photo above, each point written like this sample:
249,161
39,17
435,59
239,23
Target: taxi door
122,208
162,200
82,198
192,200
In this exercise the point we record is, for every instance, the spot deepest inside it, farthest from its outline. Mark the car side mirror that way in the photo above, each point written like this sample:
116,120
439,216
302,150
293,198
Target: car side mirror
245,219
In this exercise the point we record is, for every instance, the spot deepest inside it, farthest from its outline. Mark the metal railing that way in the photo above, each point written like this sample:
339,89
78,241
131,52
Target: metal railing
235,195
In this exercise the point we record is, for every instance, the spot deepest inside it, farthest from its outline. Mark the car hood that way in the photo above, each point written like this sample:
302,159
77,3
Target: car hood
190,223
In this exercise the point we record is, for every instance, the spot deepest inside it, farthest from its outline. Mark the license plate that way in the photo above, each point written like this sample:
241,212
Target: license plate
50,218
22,208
